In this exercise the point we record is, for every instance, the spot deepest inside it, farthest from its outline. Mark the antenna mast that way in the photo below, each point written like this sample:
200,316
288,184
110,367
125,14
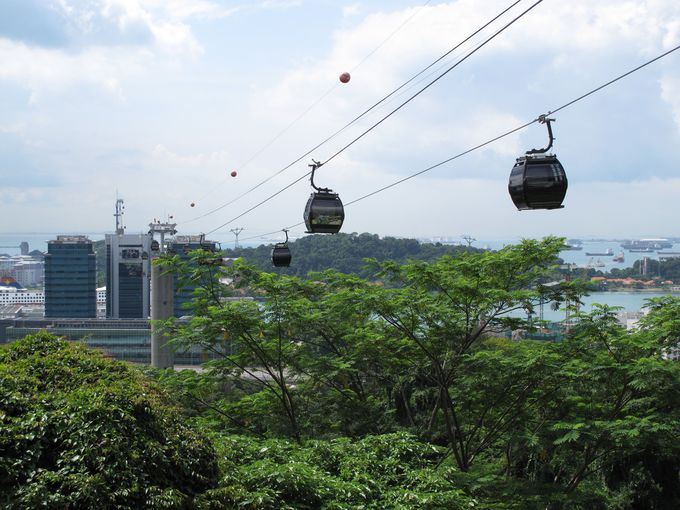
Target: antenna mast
120,228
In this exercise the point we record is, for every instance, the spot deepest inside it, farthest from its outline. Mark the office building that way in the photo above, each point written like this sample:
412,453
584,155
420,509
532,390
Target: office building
182,245
70,278
128,275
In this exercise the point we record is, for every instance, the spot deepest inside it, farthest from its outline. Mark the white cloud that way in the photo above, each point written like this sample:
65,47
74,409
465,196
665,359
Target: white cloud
28,197
670,92
185,9
106,64
42,70
163,157
164,21
191,116
351,10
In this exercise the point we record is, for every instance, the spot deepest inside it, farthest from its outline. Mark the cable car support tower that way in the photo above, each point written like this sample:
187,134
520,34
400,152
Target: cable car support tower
162,297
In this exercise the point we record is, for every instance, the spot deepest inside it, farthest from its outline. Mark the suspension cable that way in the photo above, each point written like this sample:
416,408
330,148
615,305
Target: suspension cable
469,54
503,135
355,119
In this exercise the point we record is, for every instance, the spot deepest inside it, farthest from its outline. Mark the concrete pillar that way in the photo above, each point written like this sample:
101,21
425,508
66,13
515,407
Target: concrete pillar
162,304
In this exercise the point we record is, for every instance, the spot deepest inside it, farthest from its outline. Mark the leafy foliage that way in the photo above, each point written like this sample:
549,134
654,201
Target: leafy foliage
80,431
541,425
388,471
340,392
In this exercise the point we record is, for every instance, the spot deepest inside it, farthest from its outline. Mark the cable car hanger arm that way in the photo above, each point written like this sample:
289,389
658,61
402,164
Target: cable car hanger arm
314,166
543,119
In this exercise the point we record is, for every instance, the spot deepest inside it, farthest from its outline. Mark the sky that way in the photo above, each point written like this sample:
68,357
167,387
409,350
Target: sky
157,101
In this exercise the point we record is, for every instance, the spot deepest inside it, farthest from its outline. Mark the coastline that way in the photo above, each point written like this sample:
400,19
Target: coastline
646,290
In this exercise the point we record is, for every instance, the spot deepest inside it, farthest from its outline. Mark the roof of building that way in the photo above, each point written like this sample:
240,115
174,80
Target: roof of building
8,281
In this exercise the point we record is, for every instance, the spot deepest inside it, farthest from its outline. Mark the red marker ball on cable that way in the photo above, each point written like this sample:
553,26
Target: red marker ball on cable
233,173
344,77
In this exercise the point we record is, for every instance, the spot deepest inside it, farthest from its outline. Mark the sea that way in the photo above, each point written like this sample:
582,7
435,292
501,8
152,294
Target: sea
628,301
580,258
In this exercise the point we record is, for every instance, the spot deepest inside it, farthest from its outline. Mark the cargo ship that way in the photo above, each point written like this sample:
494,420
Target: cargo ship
572,245
648,243
607,253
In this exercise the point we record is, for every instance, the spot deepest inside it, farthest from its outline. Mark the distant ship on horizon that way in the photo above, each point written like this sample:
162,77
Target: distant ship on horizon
648,244
572,245
607,253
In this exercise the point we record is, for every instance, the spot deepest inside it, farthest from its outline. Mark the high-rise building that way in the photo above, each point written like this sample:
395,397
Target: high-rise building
128,274
70,278
182,245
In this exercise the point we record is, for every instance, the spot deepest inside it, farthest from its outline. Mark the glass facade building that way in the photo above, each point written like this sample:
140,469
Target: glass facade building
70,278
121,339
128,274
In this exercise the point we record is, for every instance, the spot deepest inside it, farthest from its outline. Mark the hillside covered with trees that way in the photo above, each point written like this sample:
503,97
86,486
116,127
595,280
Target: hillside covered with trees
344,252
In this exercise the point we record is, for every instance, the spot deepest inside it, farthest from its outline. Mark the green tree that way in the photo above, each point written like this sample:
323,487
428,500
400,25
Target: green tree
80,431
588,422
443,310
246,338
613,414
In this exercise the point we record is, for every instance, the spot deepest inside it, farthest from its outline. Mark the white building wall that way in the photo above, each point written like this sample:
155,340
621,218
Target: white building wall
12,296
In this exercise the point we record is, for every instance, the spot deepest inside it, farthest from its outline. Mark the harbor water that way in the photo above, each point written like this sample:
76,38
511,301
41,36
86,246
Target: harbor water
627,301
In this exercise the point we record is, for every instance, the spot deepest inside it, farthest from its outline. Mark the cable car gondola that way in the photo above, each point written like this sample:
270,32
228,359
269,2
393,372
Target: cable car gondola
324,212
281,253
538,180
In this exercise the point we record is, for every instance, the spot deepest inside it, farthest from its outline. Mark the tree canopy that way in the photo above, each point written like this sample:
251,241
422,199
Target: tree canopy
344,252
80,431
405,390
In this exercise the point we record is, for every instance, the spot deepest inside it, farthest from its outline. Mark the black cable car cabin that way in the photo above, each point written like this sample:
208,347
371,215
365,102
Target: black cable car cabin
538,179
324,212
281,253
537,182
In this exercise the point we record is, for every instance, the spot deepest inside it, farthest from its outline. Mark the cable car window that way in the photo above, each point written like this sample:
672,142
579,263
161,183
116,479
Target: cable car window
326,213
541,176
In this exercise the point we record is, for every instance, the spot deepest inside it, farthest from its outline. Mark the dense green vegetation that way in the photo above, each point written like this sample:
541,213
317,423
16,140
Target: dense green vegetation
337,392
656,270
80,431
584,423
664,269
344,252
